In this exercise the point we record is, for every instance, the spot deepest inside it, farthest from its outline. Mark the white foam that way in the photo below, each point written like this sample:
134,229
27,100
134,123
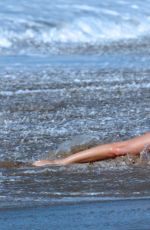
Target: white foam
90,29
4,42
135,7
99,24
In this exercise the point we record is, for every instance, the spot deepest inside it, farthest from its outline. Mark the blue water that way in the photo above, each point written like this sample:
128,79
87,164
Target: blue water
72,73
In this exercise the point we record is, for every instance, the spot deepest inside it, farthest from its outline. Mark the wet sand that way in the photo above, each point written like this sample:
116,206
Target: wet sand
113,215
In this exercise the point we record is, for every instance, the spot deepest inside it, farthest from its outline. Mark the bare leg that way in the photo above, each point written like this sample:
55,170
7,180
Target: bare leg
133,146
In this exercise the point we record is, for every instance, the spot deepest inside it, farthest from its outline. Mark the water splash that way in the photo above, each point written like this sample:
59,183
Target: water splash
145,155
76,144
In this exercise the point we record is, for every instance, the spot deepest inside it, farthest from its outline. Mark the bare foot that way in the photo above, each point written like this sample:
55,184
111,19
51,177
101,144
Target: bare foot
48,162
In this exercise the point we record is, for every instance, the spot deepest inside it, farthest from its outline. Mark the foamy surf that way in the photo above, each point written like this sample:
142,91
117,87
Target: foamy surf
86,23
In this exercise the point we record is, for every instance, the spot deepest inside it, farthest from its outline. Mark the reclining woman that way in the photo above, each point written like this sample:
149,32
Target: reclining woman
101,152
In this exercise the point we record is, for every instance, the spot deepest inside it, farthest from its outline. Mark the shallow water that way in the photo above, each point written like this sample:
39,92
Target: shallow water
66,84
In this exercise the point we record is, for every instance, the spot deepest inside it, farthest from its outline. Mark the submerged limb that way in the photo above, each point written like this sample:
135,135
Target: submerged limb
133,146
49,162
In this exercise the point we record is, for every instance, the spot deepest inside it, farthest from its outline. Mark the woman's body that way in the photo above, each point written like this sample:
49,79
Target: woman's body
133,146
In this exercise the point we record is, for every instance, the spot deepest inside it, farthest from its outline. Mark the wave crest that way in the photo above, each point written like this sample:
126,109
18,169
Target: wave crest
81,30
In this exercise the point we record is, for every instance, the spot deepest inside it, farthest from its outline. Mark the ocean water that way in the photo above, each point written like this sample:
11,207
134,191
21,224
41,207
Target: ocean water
72,75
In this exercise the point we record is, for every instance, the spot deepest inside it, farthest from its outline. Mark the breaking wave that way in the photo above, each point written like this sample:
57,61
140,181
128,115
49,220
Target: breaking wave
83,30
73,24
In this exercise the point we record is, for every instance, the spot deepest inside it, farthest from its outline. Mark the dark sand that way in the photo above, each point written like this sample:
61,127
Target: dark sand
121,214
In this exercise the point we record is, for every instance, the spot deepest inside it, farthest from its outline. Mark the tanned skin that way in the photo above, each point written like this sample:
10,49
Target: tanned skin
101,152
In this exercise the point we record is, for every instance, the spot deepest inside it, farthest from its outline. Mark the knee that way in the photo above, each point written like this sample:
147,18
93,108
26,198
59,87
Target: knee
147,133
118,151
